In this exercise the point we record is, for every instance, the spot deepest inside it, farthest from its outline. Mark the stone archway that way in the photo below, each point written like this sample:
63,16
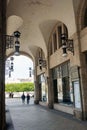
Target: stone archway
80,17
80,14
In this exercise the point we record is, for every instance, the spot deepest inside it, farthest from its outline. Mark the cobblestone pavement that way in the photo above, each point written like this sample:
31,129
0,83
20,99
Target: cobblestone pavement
35,117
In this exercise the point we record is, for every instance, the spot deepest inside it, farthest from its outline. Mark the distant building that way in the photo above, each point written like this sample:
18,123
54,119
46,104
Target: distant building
18,80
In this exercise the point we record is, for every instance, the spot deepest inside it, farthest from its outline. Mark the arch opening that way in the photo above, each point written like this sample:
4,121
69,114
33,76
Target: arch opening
19,74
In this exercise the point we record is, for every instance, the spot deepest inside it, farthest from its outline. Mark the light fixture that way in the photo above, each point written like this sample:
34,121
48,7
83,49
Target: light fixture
42,63
9,66
9,73
67,44
29,71
17,43
9,40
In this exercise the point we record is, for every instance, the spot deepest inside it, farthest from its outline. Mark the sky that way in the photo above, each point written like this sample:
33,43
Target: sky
21,66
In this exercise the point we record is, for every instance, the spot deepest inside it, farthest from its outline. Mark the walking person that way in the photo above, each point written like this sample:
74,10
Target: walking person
28,98
23,98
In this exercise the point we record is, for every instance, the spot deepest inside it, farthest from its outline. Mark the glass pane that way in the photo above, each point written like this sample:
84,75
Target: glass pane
44,92
50,46
55,41
59,36
60,90
65,71
54,73
85,19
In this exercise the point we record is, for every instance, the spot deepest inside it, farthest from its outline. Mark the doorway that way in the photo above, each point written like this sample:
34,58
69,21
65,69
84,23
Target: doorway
66,89
55,91
40,93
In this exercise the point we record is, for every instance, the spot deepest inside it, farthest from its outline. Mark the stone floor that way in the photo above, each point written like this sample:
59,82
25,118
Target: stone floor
35,117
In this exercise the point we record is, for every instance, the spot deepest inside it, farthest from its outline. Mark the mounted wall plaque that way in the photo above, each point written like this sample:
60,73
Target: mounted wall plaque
77,94
74,71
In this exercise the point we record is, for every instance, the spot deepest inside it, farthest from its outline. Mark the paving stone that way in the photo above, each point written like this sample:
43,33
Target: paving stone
36,117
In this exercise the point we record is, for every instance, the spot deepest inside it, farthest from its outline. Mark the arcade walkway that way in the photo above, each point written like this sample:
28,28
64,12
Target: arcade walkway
35,117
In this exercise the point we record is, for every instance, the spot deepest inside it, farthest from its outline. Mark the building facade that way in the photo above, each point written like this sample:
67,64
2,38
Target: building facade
64,84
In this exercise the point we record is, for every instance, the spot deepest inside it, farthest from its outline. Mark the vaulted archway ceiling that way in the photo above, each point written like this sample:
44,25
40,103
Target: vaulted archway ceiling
35,20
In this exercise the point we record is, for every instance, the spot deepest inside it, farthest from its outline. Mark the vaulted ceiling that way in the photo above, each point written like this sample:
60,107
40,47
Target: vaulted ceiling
35,20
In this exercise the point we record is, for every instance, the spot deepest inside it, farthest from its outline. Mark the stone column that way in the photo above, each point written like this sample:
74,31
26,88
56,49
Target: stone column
36,89
50,93
36,99
50,85
2,63
83,74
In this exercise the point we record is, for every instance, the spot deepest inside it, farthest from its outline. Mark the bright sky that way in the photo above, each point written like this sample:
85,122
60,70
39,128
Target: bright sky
21,67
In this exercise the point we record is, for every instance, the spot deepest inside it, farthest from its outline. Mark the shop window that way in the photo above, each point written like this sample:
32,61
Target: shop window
66,84
44,90
62,87
55,90
55,41
50,47
65,30
40,92
65,71
59,73
54,73
66,89
85,18
60,90
59,36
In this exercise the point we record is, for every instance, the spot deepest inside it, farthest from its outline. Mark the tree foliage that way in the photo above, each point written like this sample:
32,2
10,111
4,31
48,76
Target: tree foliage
19,87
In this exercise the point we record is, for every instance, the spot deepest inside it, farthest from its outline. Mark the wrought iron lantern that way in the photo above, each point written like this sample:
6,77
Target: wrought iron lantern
67,44
17,43
42,63
11,66
30,72
10,43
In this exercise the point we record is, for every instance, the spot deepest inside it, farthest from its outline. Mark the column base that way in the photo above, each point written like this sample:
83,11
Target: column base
36,101
78,114
50,105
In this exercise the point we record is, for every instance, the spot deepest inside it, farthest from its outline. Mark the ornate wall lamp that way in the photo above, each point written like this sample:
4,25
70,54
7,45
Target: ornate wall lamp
9,66
30,72
9,40
42,63
67,44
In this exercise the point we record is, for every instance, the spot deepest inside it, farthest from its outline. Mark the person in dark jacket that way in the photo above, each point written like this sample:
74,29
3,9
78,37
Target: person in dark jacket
28,98
23,98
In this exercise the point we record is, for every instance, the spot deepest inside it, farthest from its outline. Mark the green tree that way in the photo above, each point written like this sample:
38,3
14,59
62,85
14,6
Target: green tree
19,87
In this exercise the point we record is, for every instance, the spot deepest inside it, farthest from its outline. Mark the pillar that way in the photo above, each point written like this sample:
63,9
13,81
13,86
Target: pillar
36,82
36,98
2,63
50,88
83,74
